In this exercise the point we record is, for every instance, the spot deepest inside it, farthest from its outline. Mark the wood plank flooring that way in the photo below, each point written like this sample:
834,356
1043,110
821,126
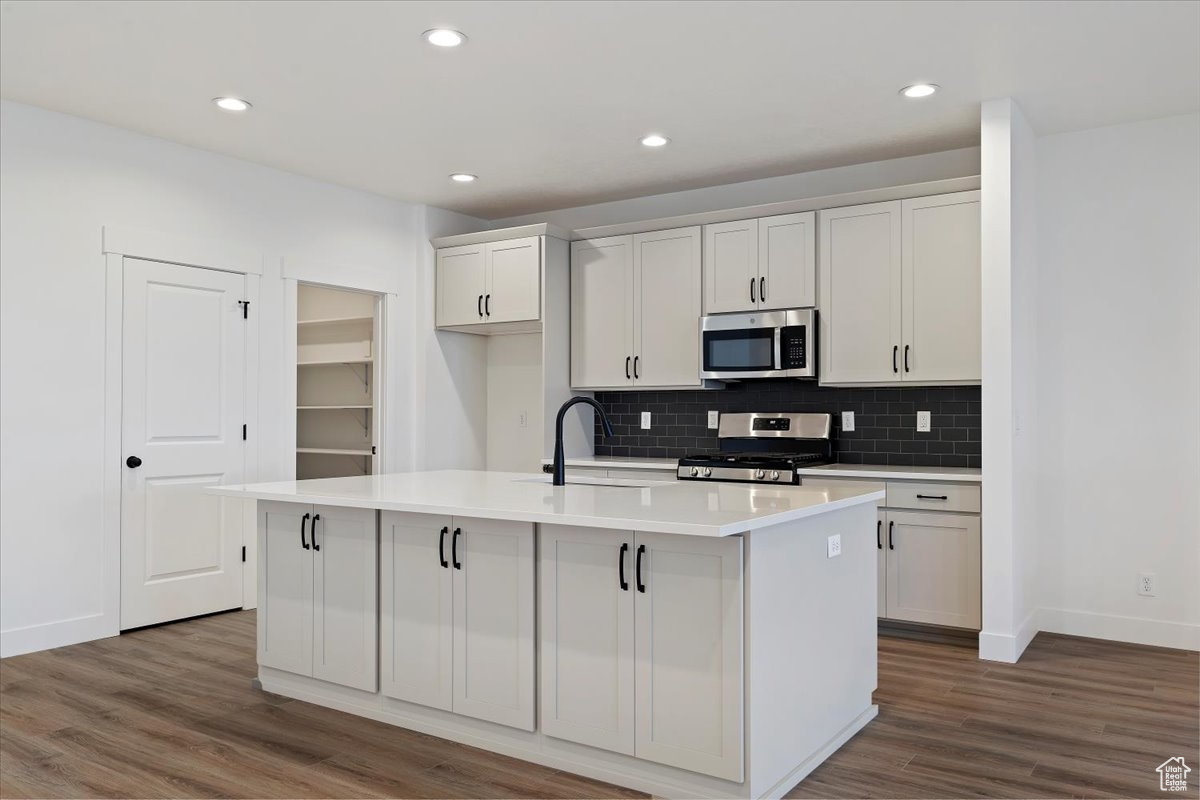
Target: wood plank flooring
169,712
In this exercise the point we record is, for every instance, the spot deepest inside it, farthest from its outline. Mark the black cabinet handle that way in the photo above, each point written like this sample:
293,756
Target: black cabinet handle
636,359
878,542
641,587
133,462
313,532
442,548
752,300
487,305
303,522
479,305
895,351
454,549
891,544
627,360
932,497
621,566
906,358
762,290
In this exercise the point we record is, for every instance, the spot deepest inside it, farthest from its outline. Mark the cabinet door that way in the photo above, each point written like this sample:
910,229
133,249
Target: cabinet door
689,652
787,261
460,284
881,572
933,568
345,617
415,597
859,323
942,291
493,622
731,258
285,587
666,308
514,280
587,636
602,312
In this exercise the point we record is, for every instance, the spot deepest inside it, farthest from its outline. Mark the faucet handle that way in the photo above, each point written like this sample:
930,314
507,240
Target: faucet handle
547,468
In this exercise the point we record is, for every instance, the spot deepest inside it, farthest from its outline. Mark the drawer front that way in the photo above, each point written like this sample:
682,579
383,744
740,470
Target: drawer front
857,483
643,474
933,496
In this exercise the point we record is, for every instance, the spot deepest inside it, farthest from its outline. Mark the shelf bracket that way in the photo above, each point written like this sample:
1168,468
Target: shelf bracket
366,419
366,376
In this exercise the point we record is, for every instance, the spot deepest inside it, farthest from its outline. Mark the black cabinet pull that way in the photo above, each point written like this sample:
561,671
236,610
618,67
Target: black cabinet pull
762,290
303,522
313,533
752,300
932,497
454,549
621,566
906,358
487,305
891,527
133,462
636,359
878,542
442,548
641,587
627,360
479,306
895,351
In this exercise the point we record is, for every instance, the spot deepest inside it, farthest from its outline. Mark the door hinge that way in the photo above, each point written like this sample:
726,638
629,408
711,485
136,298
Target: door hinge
243,431
243,554
245,304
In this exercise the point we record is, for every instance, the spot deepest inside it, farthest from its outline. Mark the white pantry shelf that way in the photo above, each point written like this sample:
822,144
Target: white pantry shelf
306,323
335,361
333,451
330,408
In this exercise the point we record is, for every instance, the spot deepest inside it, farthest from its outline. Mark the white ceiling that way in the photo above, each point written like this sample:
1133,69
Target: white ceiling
547,100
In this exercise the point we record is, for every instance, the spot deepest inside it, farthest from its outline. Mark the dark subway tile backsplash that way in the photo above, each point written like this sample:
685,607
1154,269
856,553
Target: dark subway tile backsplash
885,420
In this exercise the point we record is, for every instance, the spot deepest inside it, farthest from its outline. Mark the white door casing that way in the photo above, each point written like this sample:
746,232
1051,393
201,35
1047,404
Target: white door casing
183,391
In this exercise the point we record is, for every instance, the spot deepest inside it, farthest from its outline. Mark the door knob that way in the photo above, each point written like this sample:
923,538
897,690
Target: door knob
133,462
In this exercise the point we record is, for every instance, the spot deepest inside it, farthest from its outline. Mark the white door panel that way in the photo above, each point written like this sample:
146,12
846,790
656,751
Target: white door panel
285,587
666,308
933,568
787,261
602,312
514,290
731,258
182,411
461,278
344,610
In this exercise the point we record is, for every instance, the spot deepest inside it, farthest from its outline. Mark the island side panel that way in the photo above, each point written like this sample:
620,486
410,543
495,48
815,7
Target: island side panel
811,649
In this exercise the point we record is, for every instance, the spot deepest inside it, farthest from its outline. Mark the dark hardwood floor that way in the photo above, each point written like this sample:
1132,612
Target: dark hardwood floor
169,712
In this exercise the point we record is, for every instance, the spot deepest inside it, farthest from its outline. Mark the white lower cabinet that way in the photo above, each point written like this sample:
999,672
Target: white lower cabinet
457,602
317,613
933,568
641,645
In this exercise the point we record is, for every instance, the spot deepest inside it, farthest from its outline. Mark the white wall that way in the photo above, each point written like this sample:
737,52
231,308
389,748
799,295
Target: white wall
61,180
1118,457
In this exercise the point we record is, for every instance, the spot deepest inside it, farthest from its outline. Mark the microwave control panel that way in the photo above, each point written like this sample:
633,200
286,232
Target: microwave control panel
794,347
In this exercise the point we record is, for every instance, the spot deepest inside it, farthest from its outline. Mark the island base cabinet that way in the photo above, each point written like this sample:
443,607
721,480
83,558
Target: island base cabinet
457,598
642,645
317,612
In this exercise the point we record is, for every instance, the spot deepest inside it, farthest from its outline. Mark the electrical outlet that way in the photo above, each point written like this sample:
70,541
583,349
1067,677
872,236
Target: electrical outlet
714,420
922,422
834,545
645,420
1146,584
847,420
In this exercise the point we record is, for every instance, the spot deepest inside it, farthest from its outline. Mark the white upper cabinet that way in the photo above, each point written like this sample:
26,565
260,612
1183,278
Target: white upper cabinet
942,292
635,310
760,264
900,291
489,283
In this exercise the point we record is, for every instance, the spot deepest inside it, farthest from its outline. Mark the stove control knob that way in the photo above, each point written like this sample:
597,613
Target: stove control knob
759,474
695,472
775,475
708,472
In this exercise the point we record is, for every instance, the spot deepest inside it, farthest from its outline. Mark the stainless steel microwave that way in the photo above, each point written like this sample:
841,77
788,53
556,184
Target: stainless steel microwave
767,344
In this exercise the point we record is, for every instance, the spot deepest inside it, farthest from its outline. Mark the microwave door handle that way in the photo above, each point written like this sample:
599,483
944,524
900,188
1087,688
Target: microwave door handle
778,347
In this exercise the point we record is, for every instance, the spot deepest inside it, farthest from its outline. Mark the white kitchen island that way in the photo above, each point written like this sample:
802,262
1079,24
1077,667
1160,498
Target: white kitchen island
686,639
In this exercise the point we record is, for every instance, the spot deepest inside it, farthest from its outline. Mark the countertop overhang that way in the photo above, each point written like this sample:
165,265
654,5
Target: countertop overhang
685,507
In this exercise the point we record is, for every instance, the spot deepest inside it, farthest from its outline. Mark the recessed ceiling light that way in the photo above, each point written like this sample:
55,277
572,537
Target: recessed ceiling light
231,104
444,37
654,140
463,177
919,90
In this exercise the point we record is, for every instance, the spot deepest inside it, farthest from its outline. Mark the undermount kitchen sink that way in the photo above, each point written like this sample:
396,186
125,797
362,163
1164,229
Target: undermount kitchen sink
584,480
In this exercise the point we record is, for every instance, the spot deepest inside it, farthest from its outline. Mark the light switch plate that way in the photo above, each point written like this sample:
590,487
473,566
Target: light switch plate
645,420
835,545
922,422
714,419
847,420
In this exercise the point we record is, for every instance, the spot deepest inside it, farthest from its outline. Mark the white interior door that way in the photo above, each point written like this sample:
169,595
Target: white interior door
182,413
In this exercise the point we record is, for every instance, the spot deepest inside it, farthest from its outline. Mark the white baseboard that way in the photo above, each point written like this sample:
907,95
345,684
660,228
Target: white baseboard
1008,647
1136,630
17,641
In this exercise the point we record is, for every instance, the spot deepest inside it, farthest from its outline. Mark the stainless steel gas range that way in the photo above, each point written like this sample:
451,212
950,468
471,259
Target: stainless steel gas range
763,448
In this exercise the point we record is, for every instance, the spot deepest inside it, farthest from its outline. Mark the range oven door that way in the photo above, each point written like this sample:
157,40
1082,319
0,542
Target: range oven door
773,344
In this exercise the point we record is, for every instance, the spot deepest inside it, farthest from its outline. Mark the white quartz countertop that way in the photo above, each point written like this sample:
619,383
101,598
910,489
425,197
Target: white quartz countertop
686,507
883,472
616,462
